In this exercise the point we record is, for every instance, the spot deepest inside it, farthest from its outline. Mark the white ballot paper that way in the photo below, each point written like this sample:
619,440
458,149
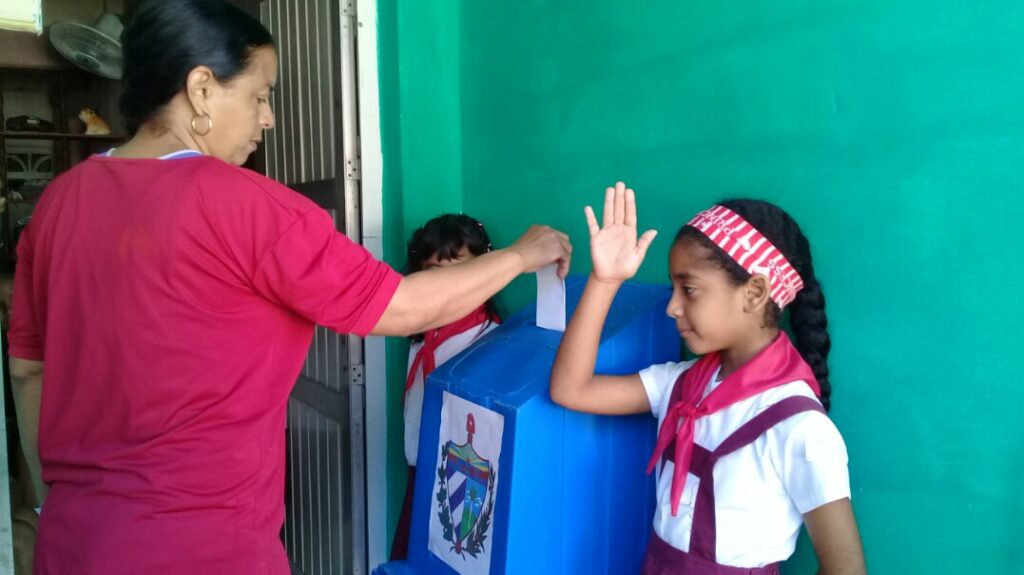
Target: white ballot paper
550,299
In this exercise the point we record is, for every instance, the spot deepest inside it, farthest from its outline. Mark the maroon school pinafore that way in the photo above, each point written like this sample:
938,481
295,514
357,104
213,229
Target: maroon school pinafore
664,559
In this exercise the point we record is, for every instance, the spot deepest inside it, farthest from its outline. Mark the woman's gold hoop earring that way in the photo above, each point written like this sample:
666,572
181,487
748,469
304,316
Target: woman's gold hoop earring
209,124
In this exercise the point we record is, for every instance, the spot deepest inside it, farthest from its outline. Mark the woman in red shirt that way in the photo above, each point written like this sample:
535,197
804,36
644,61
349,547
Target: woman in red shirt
170,297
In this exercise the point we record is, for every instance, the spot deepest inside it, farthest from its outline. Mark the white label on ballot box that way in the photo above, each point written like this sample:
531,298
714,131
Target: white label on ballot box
462,508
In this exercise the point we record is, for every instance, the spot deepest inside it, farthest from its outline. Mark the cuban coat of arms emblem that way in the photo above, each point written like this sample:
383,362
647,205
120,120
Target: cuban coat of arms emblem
466,485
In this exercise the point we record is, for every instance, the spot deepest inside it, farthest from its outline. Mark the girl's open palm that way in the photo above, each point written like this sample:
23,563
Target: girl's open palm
615,251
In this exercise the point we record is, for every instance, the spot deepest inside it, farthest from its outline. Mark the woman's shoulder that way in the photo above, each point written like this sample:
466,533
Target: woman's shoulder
249,210
221,181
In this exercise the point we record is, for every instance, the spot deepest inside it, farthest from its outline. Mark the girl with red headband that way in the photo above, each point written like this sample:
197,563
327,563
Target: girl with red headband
745,452
446,240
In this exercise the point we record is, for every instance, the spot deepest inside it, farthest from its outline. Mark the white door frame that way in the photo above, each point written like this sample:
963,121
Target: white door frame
377,535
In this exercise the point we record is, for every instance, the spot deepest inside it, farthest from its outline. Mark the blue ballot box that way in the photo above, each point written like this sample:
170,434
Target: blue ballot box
508,482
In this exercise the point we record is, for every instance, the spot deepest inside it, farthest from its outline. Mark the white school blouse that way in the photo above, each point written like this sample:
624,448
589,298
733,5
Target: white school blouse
762,489
414,395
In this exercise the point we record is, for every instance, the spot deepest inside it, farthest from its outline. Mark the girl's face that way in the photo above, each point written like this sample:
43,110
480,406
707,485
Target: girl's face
432,262
707,307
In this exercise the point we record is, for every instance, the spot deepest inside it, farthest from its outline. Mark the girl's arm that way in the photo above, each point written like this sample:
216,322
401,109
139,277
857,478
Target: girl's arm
616,254
836,541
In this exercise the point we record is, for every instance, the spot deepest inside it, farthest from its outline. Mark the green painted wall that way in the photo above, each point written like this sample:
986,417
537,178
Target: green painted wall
893,131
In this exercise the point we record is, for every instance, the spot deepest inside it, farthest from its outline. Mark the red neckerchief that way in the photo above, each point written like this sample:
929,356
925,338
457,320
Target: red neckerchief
778,364
435,337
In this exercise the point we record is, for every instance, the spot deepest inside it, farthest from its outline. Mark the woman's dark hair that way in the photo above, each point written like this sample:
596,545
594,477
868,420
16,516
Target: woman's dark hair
166,39
807,320
445,236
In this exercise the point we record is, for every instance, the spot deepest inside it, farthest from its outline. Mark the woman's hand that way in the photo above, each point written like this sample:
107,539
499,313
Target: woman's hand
615,251
541,246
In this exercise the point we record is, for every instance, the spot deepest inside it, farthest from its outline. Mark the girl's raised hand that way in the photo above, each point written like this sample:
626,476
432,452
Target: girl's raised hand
615,251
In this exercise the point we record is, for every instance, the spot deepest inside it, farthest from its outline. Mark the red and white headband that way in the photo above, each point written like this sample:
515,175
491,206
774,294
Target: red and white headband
751,250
